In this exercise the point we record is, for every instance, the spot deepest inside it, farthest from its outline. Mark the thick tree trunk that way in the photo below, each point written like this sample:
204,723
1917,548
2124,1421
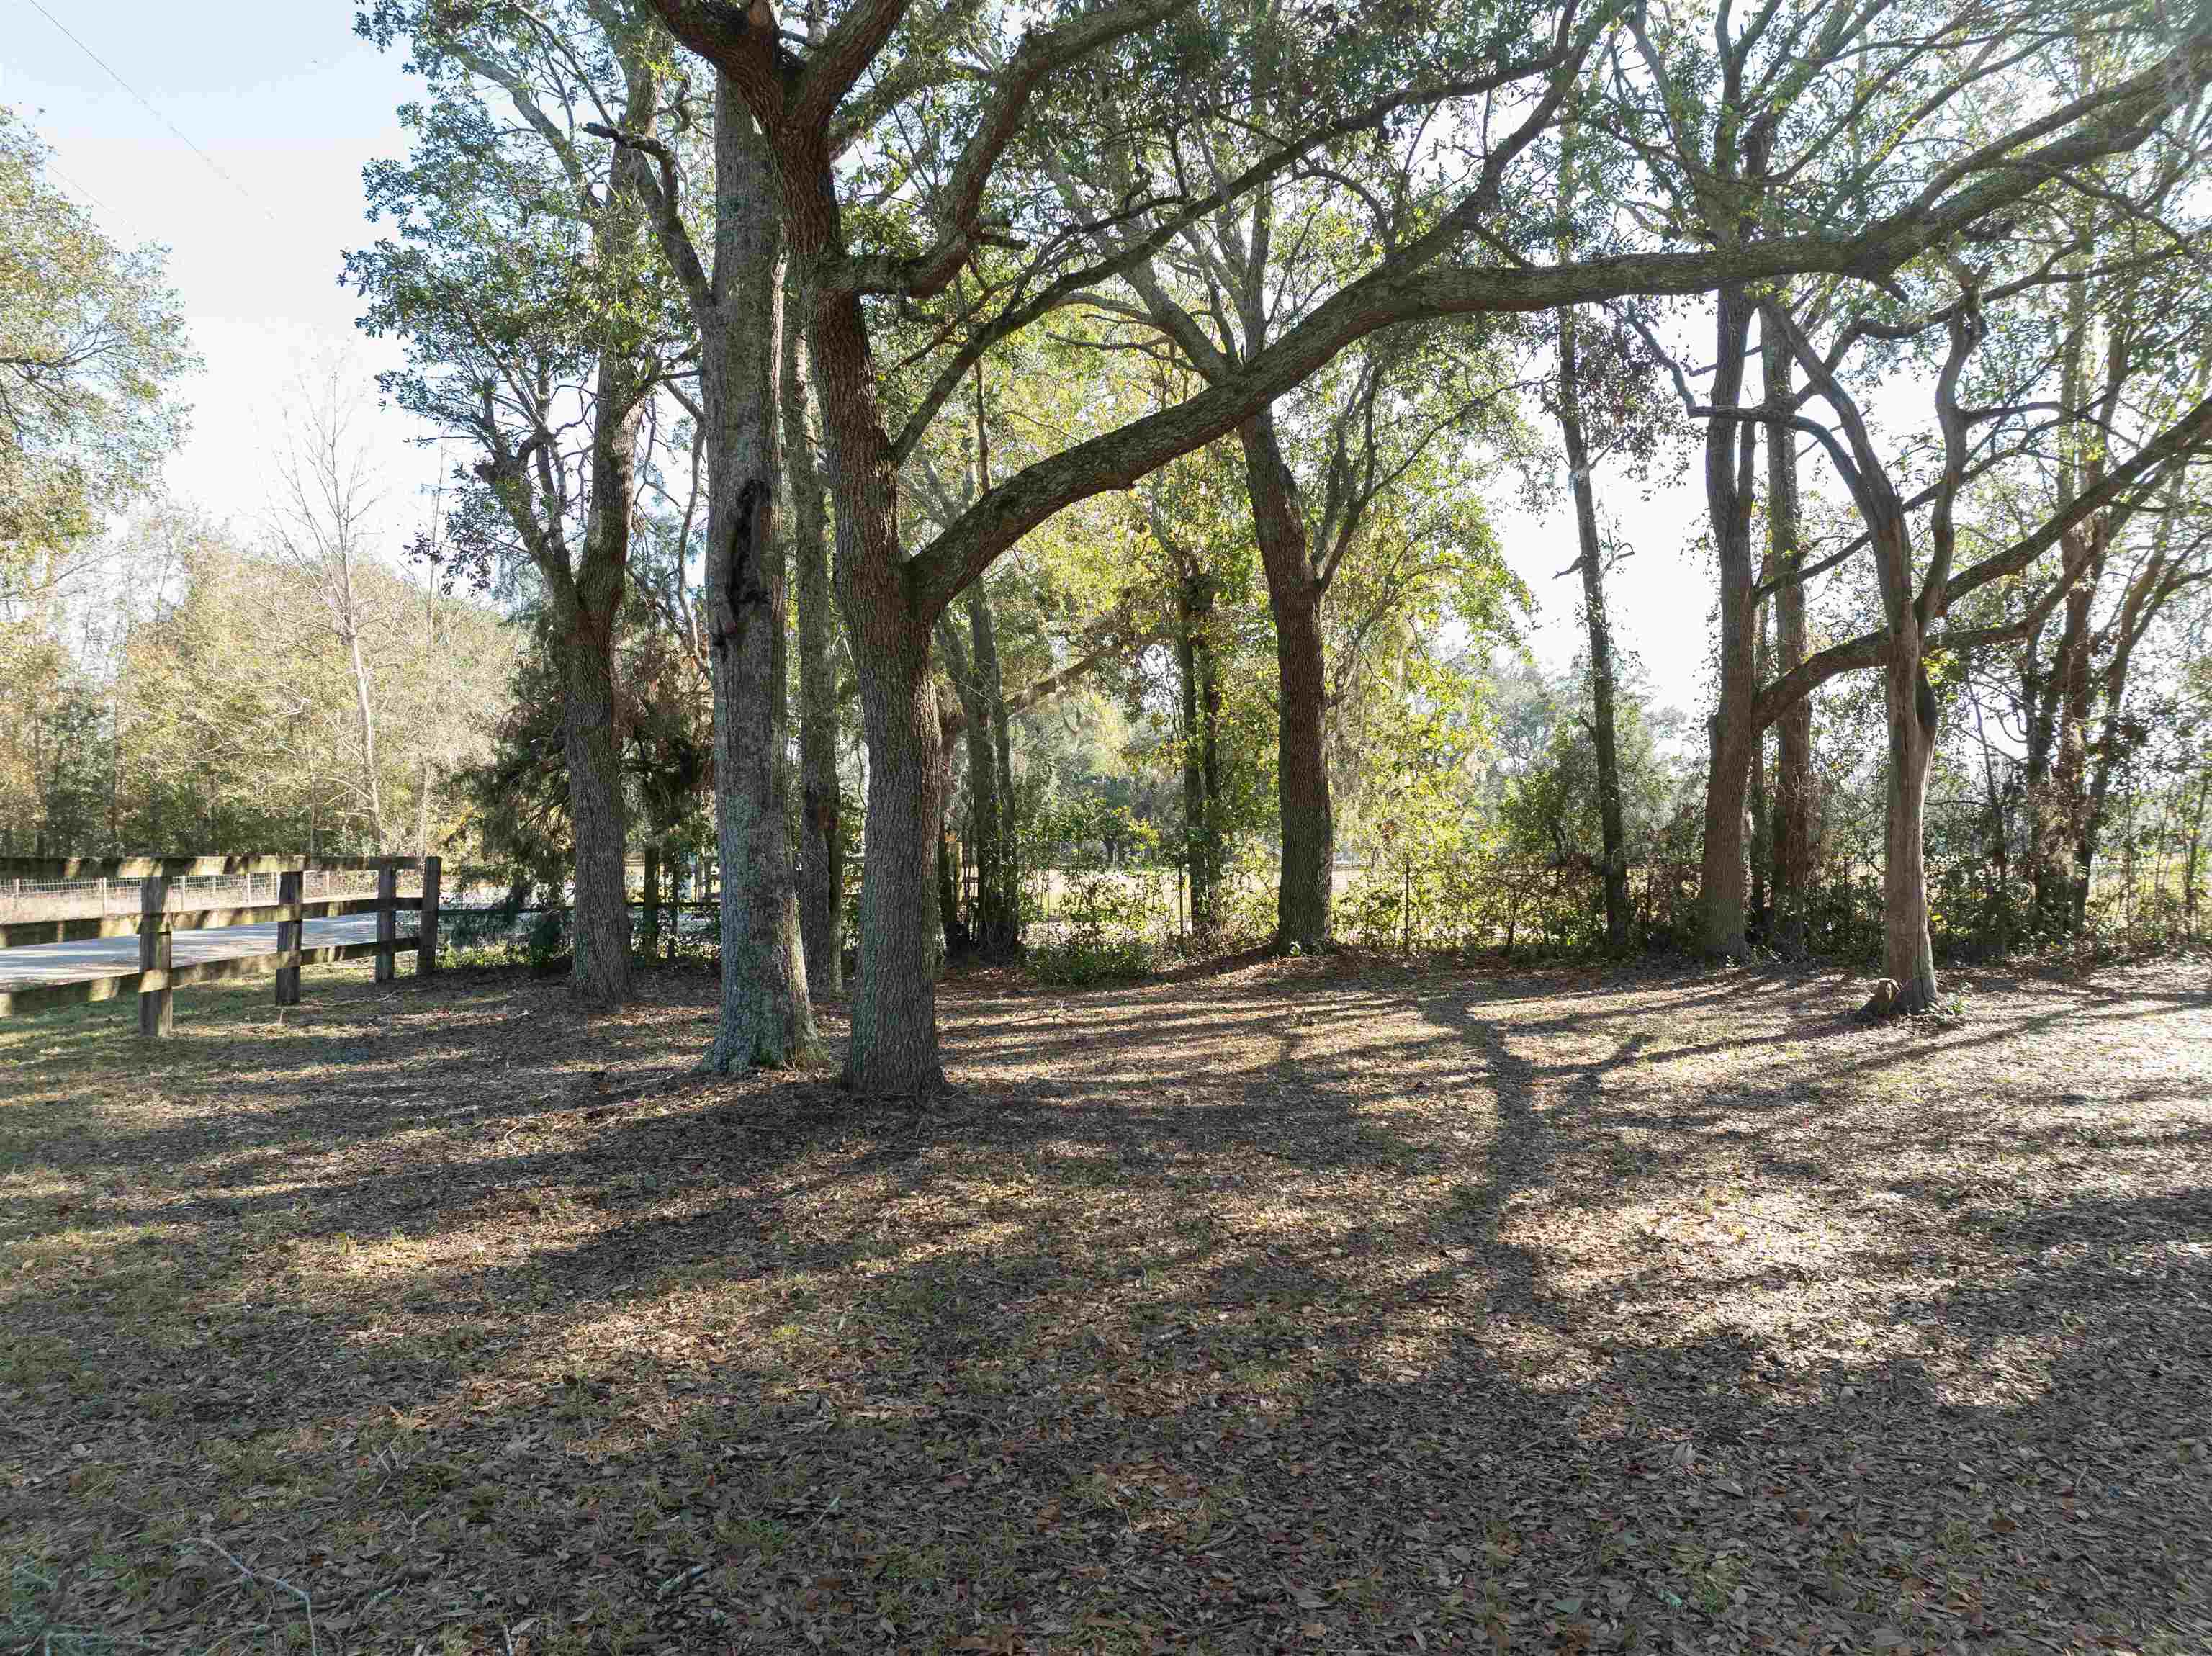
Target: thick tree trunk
766,1016
1304,896
1792,855
585,610
821,841
583,657
1733,738
894,1052
1598,625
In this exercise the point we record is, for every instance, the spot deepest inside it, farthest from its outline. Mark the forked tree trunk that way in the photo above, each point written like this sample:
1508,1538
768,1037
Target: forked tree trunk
1792,856
766,1018
1733,738
585,612
821,844
1603,734
1294,594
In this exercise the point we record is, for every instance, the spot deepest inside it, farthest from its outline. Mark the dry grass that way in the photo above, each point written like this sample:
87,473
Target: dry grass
1316,1307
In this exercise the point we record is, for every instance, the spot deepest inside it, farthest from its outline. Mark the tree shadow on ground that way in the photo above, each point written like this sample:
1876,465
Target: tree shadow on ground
1391,1309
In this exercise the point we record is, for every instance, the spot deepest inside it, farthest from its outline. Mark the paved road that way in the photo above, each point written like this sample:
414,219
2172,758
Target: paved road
65,962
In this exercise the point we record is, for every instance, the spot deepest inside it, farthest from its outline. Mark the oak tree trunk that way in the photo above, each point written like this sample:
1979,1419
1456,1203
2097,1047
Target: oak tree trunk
1294,594
584,615
1909,953
821,836
766,1016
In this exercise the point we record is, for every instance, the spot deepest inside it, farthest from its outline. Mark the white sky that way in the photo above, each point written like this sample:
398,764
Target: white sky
290,105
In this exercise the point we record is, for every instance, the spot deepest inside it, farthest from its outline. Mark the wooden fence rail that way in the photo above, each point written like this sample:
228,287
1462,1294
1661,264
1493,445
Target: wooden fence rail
157,977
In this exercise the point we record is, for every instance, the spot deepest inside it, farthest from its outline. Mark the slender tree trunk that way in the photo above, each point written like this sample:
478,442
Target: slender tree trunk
998,928
2068,788
1599,627
1304,897
1008,905
821,844
1732,737
766,1016
1213,841
423,797
1195,813
1908,951
364,706
1762,846
2196,847
1792,856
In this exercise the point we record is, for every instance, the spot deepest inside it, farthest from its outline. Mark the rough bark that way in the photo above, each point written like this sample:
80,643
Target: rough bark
584,617
821,829
1908,951
1598,626
891,600
766,1016
1305,892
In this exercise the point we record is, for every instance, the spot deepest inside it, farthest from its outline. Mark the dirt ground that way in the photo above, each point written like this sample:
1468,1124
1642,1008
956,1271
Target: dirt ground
1315,1306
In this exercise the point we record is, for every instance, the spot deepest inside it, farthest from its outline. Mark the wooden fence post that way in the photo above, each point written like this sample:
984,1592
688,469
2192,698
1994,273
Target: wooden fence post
156,1005
288,887
652,898
387,918
426,954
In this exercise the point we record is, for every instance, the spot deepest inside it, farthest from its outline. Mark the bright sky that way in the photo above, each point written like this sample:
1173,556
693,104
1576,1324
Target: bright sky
289,105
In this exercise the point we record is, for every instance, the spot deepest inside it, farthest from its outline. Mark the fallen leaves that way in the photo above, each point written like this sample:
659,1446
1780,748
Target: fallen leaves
1597,1326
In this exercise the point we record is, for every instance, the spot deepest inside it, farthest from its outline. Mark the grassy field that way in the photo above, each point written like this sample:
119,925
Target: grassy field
1310,1306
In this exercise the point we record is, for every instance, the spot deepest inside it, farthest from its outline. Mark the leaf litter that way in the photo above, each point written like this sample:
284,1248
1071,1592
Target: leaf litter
1309,1306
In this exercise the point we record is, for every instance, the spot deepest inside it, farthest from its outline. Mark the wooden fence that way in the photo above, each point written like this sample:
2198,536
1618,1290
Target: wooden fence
155,978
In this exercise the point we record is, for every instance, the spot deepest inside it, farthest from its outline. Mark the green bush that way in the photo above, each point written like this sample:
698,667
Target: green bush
1111,931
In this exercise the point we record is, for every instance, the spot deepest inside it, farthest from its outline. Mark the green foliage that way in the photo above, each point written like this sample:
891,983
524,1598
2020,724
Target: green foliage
1107,922
92,343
